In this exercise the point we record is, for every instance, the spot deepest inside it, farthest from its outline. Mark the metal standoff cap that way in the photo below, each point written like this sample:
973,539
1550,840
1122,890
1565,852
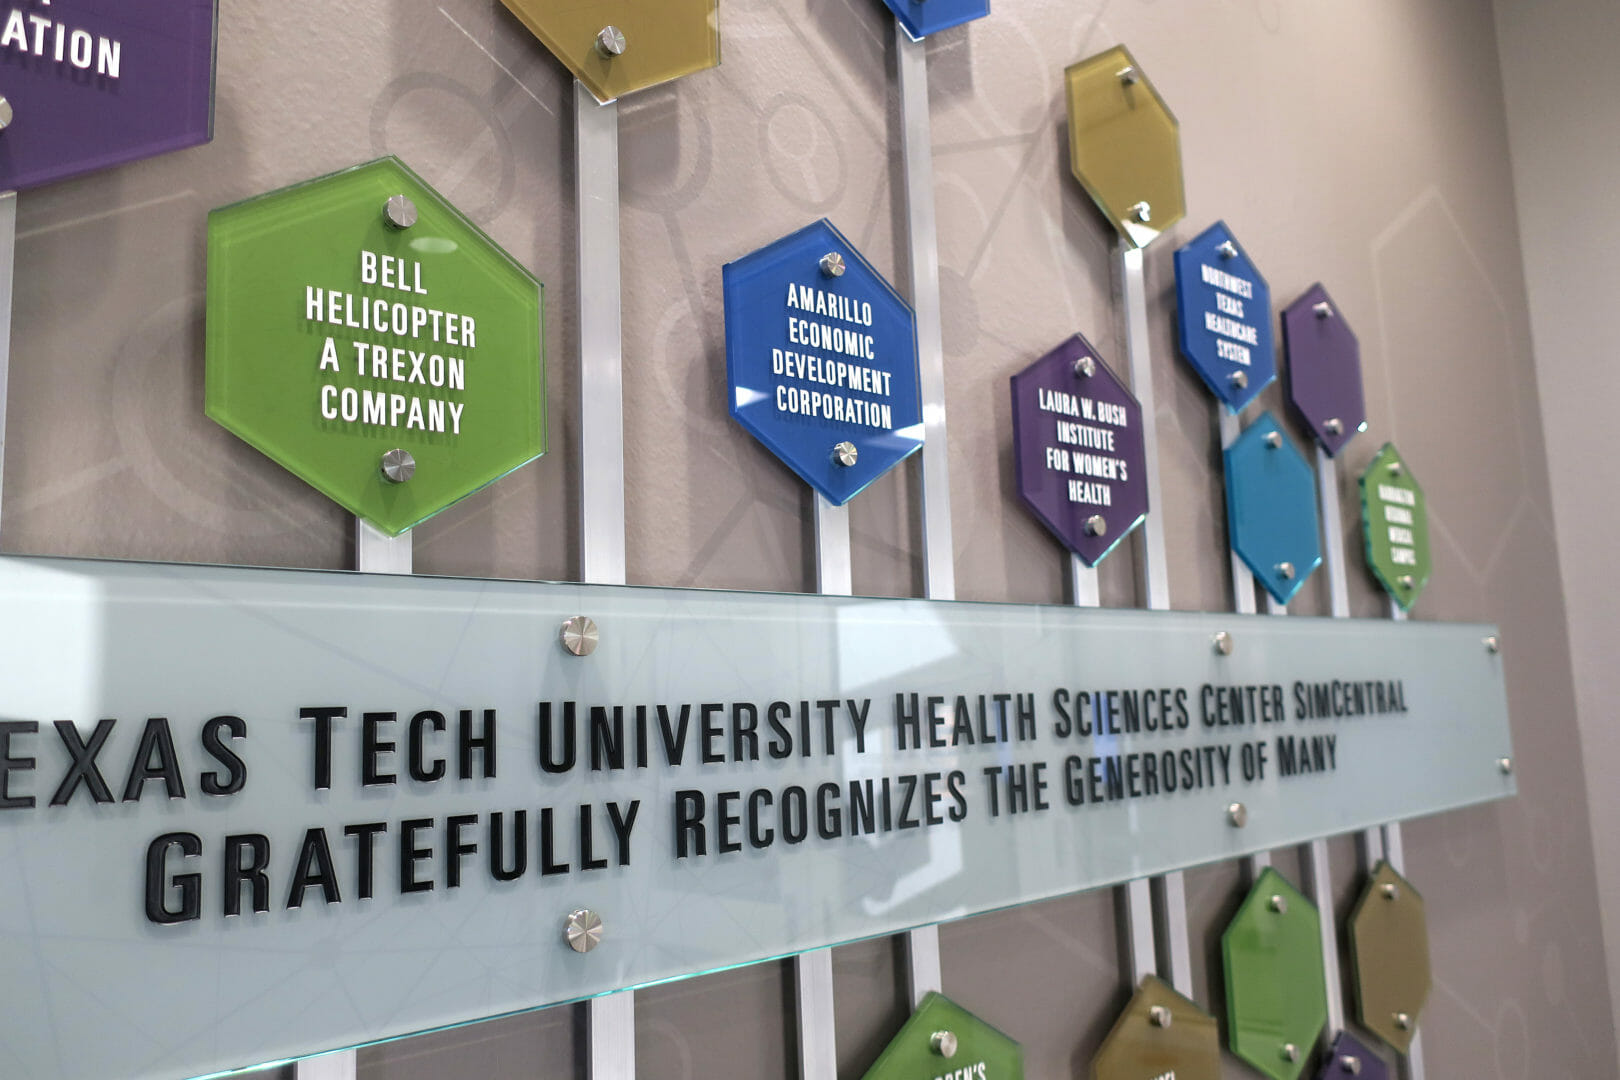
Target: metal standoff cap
846,454
1142,212
1227,250
1350,1063
5,113
1333,426
1224,643
1274,439
1395,468
1403,1021
1279,903
398,465
1290,1052
610,42
1239,379
1085,367
1406,581
1323,309
580,635
1493,645
583,930
1160,1017
1506,765
1285,570
1128,75
1391,891
1096,525
832,264
943,1043
399,211
1238,815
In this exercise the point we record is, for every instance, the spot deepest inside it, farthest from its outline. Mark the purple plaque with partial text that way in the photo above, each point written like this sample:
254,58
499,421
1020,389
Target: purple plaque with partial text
89,84
1077,441
1324,369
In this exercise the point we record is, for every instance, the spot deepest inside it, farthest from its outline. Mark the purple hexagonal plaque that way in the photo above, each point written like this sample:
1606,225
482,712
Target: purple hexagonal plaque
95,83
1077,441
1324,369
1350,1057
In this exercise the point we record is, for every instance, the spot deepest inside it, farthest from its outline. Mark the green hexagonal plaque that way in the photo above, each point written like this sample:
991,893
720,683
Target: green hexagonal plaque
943,1041
1395,524
1160,1034
1276,991
1389,949
359,316
1125,145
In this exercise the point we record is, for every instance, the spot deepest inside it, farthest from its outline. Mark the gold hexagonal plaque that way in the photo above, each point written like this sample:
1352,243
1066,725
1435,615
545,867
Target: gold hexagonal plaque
1160,1033
1389,947
1125,145
616,47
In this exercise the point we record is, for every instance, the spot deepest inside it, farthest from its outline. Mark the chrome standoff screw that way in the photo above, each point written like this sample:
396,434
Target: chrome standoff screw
399,212
1403,1021
1224,643
1128,76
580,635
1239,379
610,42
846,454
5,113
1160,1017
583,930
1278,903
1406,581
1391,891
1350,1063
1238,815
1323,309
1286,571
1290,1052
1085,367
1142,212
943,1043
1096,525
1274,439
1505,766
398,465
1227,250
1492,644
1334,426
832,264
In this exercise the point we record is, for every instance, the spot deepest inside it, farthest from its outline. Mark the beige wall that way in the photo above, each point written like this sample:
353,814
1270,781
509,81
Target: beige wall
1363,144
1563,97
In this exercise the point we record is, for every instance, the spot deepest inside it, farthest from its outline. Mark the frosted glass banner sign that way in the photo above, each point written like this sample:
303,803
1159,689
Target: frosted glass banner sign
88,84
251,814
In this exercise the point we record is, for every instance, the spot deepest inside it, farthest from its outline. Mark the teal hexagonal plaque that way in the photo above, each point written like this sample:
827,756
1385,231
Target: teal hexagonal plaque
1276,989
374,342
943,1041
1271,508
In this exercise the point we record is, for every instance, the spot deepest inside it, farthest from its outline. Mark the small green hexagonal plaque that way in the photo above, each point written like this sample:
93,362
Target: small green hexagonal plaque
1389,948
1125,145
616,47
393,364
1160,1034
1276,991
943,1041
1395,523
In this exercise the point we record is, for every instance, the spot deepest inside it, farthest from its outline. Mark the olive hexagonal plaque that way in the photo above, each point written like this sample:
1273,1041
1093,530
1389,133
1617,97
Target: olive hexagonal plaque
374,342
943,1040
1389,948
1160,1034
1276,991
616,47
1125,145
1395,524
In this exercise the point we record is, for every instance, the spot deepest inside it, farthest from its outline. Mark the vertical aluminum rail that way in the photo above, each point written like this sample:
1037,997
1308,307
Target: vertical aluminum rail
1242,597
611,1050
8,265
1394,849
1313,857
939,567
1155,910
812,971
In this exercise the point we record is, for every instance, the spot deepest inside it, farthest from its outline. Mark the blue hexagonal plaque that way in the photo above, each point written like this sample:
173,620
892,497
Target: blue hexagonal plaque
1324,369
923,17
1223,306
821,359
1271,508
